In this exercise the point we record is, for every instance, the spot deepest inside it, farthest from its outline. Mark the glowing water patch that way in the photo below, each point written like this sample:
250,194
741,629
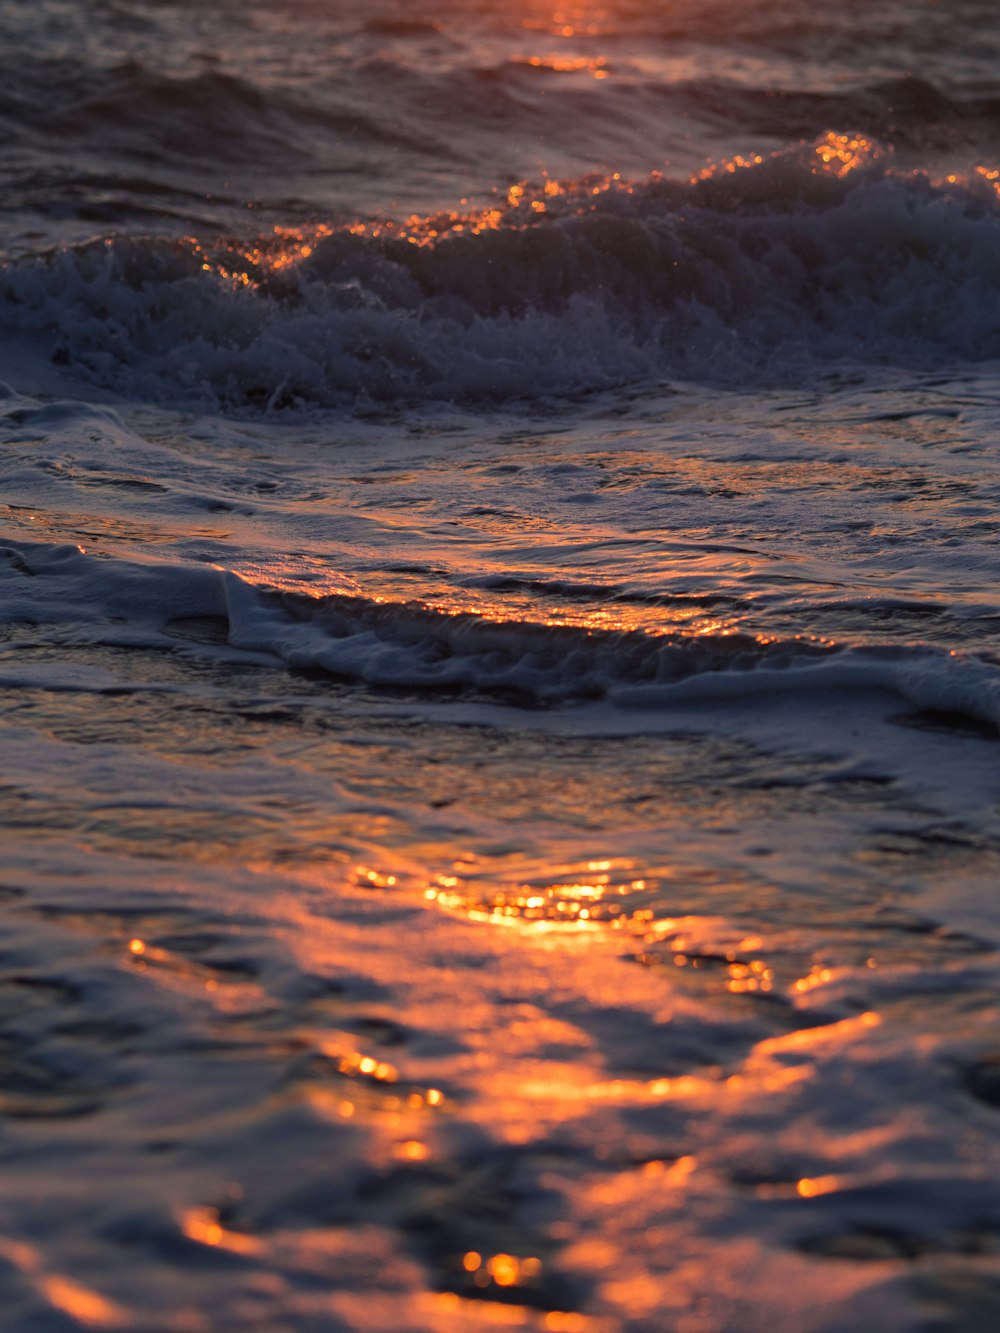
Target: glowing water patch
578,895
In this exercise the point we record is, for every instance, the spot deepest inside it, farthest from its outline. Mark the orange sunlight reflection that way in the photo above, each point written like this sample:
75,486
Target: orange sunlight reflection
843,153
836,155
342,1080
595,66
501,1270
436,593
589,899
814,1187
203,1225
284,248
524,203
81,1304
476,1313
618,617
990,175
576,897
569,20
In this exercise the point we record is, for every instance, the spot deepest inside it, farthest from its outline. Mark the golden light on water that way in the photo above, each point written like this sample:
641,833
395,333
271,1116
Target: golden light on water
412,1150
812,1188
744,978
844,153
834,154
379,1086
730,167
595,66
568,21
81,1303
425,594
527,203
366,1064
477,1313
818,975
374,879
204,1226
556,1321
807,1040
246,266
573,896
502,1270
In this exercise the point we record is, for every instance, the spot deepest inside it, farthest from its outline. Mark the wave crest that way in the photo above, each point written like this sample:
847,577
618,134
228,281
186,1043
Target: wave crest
766,268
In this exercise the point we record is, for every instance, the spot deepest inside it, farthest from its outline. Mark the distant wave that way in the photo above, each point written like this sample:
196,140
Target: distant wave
216,112
763,270
214,116
384,26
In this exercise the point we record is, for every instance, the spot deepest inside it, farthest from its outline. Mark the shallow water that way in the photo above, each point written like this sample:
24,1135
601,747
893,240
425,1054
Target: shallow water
498,667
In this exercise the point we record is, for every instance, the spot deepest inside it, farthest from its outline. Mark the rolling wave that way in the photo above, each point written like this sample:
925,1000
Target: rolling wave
760,271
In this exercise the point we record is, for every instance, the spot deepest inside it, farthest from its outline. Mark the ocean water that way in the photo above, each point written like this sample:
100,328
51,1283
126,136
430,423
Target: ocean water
500,666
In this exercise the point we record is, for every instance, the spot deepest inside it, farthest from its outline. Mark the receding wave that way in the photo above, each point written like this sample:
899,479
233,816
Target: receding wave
762,270
410,646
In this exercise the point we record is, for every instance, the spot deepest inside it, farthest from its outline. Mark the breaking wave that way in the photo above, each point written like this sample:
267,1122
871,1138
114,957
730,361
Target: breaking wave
761,271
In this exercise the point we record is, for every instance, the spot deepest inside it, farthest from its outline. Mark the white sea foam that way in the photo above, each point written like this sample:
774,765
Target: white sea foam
409,646
778,270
